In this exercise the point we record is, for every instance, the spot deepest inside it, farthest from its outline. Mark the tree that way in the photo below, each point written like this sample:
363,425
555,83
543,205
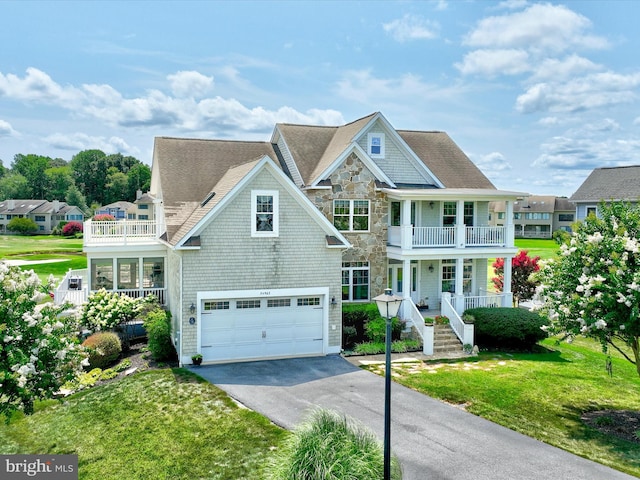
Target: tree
14,185
32,167
74,197
138,178
593,288
116,186
38,349
89,169
23,226
59,180
523,286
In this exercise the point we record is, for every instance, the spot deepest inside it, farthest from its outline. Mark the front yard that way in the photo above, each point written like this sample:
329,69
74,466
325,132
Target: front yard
160,424
543,395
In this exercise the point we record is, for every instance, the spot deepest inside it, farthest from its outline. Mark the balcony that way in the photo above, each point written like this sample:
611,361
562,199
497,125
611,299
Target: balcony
410,237
123,232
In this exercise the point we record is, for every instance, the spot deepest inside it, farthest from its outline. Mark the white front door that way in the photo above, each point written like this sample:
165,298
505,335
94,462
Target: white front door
396,276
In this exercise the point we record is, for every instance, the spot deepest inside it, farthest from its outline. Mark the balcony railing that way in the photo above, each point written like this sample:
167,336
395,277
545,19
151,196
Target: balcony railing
122,232
432,237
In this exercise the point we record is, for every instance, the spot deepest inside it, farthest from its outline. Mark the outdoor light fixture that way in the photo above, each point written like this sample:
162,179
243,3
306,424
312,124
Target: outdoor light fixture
431,205
192,308
388,306
333,301
431,267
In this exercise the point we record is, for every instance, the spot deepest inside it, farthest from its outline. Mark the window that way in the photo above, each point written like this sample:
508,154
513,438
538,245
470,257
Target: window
143,206
516,216
143,217
449,275
131,216
308,301
395,214
590,211
565,217
468,213
224,305
102,273
153,272
501,216
264,213
448,213
75,217
355,281
375,144
40,218
278,302
351,215
128,273
537,216
247,303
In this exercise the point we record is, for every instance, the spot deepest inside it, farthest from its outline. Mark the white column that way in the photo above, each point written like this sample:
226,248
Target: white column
506,283
461,239
510,233
407,228
406,286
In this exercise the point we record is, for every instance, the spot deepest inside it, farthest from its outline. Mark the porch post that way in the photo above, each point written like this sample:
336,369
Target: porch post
507,300
459,285
510,233
407,228
461,237
406,287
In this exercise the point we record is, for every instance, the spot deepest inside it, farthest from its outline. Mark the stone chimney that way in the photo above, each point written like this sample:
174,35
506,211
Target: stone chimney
138,194
11,204
56,206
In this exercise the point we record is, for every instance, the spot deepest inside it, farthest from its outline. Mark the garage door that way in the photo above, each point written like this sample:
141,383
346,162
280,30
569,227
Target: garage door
252,328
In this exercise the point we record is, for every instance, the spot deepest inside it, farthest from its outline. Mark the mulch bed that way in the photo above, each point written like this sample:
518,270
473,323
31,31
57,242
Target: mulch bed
624,424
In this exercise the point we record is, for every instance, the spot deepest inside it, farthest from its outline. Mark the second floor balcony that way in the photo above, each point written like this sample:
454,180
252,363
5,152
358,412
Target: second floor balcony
123,232
409,237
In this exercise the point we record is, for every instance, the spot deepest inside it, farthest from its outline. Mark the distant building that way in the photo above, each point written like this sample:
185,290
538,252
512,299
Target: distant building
117,210
537,216
606,184
47,215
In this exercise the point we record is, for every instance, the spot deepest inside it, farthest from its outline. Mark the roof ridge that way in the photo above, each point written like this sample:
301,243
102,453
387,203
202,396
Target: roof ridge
221,140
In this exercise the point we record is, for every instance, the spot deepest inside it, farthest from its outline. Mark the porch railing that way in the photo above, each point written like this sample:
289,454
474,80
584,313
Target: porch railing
463,331
77,296
122,232
429,237
413,317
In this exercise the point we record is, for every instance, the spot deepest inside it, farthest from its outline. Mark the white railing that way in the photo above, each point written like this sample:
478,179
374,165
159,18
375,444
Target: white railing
412,316
485,236
434,236
159,293
123,232
463,331
76,296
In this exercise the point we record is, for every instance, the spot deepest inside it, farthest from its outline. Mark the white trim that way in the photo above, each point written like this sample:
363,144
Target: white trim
370,137
351,213
275,225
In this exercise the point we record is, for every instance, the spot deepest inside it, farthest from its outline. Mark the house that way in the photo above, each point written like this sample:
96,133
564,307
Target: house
117,210
536,216
257,244
143,207
47,215
605,185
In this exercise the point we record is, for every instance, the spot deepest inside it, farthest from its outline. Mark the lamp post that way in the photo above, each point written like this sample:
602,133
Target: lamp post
388,306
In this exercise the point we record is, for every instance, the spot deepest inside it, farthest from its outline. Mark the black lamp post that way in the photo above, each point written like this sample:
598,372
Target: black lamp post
388,306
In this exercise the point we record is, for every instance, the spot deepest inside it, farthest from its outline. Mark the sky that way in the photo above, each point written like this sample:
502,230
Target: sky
536,94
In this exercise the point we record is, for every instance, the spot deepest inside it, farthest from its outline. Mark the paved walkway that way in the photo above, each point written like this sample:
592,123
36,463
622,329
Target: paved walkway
433,440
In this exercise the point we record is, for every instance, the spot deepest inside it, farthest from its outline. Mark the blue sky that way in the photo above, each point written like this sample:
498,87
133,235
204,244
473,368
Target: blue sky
536,94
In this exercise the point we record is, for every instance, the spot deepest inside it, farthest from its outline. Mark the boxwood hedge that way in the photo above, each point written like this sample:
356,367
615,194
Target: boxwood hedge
507,328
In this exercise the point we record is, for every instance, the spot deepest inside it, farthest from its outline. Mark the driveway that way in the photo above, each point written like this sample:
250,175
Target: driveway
432,440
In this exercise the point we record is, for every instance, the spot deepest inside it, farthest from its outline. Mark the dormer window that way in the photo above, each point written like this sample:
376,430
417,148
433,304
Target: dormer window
376,145
264,212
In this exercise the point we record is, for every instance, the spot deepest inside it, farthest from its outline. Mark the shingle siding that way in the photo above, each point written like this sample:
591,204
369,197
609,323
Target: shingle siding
230,259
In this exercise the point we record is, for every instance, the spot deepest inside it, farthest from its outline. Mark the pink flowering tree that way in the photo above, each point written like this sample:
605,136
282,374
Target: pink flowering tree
103,217
593,288
39,350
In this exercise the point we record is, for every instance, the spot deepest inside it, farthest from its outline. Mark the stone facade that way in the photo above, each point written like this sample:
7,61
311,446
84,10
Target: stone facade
354,181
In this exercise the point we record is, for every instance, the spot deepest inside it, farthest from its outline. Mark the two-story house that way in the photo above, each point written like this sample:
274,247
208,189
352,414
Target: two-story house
257,244
605,185
47,215
536,216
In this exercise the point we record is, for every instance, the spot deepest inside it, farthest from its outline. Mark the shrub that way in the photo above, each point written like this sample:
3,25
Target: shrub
507,328
354,318
71,228
376,329
329,446
104,217
23,226
158,326
104,349
105,309
561,236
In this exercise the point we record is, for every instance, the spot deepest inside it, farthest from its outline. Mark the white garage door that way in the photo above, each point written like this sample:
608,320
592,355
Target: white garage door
251,328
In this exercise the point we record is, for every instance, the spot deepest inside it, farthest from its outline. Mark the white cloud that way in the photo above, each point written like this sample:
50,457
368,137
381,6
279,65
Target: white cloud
181,109
190,84
411,27
559,70
81,141
592,91
540,27
493,162
494,62
6,130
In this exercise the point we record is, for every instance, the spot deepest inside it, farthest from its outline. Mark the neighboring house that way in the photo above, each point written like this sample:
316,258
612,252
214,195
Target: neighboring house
606,185
257,244
117,210
537,216
143,208
47,215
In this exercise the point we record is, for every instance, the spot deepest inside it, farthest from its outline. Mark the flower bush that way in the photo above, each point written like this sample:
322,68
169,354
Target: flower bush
71,228
104,217
39,350
593,288
106,309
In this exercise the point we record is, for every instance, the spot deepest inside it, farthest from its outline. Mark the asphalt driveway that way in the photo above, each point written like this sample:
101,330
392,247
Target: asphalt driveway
433,440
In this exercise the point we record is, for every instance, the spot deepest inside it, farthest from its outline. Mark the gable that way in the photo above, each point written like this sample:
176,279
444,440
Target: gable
616,183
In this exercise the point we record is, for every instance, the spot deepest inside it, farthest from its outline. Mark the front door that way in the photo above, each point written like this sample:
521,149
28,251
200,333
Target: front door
396,276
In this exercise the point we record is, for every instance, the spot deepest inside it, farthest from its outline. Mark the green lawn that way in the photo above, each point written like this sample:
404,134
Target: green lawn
158,424
538,247
542,395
